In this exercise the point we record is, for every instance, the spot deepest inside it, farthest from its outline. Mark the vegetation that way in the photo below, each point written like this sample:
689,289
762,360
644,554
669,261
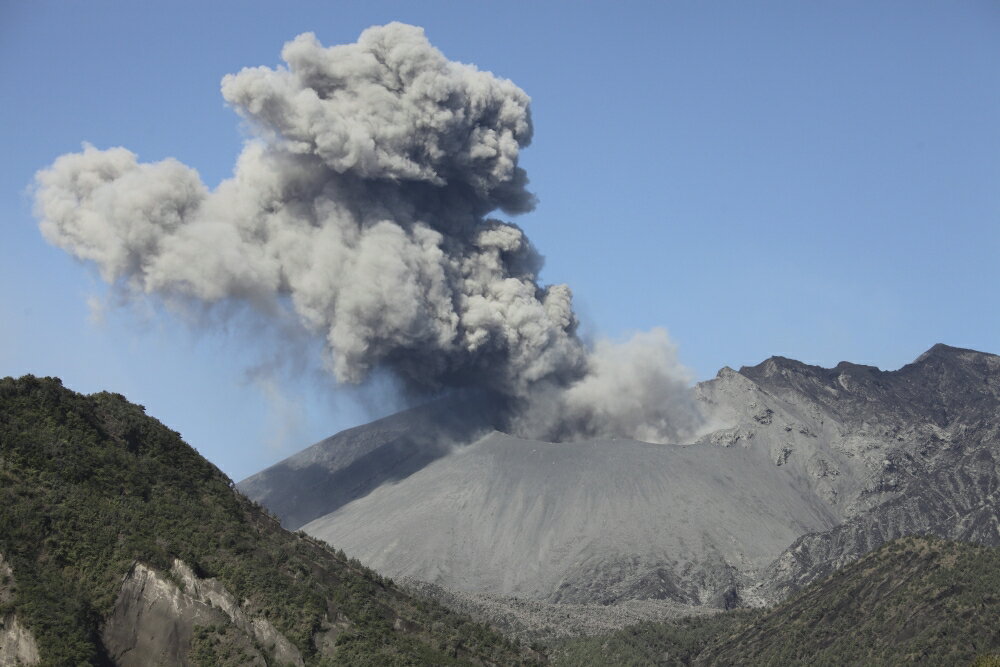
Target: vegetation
90,485
917,600
672,643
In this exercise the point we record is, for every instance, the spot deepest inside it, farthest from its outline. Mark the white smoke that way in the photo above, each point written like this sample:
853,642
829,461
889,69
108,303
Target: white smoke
362,200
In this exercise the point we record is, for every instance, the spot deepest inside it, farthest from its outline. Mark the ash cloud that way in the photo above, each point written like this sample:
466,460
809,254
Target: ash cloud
362,202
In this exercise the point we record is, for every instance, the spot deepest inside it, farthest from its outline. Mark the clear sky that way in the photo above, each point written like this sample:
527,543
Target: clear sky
814,180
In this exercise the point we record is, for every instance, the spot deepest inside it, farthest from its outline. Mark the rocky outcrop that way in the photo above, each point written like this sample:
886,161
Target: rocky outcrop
17,644
958,501
929,435
156,616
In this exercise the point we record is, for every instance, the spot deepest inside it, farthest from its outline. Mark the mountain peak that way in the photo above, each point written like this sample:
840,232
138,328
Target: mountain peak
775,365
947,352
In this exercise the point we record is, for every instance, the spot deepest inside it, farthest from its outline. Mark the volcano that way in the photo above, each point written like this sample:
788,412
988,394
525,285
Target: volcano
801,470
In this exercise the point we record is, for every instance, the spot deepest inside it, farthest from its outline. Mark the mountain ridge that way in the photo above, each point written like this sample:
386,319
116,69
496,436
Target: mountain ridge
850,438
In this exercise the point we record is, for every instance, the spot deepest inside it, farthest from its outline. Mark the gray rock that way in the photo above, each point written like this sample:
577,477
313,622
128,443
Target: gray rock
17,643
155,617
801,470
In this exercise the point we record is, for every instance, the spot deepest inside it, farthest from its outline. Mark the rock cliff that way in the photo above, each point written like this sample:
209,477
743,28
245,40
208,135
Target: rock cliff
17,644
155,618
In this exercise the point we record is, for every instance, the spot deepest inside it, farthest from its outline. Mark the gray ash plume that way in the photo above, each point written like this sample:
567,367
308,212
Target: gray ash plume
362,202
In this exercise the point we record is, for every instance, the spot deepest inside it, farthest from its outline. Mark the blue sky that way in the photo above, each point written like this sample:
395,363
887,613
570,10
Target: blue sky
815,180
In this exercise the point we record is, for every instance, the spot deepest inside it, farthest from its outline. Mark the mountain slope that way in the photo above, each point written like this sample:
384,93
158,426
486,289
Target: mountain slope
349,465
929,438
110,523
800,470
579,522
917,600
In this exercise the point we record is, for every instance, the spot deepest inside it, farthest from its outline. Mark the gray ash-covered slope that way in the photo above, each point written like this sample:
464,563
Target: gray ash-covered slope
350,464
802,470
579,522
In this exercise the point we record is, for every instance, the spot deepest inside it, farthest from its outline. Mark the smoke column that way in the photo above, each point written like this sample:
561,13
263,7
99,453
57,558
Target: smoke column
362,199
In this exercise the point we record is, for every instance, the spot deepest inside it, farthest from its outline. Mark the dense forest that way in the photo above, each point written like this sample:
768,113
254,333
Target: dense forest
916,600
90,485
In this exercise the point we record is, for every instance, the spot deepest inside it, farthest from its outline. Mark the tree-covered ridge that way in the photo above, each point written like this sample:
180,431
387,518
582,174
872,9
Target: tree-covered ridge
90,485
916,600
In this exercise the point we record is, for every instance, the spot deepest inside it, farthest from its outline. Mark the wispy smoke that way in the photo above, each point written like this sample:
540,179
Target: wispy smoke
636,388
362,200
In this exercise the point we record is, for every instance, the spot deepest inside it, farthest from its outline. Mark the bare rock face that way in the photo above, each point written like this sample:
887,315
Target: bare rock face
958,499
17,644
155,618
801,470
928,436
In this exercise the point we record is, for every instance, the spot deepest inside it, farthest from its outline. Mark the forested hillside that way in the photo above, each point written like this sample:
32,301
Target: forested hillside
917,600
94,492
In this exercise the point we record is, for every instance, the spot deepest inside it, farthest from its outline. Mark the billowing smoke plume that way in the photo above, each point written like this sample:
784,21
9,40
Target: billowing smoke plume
362,200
